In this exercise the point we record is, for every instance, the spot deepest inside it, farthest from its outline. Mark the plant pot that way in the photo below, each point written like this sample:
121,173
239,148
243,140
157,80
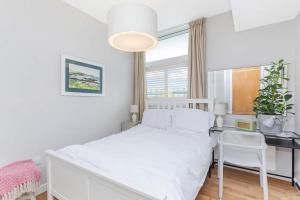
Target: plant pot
272,124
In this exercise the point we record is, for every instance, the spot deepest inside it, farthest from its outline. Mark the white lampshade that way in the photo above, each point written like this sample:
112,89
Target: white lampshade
132,27
220,109
134,108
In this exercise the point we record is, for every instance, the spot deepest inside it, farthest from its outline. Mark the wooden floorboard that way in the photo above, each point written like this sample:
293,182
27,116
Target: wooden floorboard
239,185
42,196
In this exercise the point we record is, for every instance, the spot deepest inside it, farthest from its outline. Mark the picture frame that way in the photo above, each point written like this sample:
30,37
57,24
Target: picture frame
80,77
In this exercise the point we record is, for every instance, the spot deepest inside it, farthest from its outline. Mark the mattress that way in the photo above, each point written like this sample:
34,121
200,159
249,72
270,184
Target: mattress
162,163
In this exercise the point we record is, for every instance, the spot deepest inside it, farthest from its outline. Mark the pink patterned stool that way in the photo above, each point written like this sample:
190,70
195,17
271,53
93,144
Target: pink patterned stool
19,180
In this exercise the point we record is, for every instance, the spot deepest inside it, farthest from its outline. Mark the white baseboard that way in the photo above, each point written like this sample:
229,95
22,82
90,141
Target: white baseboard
254,172
43,188
297,183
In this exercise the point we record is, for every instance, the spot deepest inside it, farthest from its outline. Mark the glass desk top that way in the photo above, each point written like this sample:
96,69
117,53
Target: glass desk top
285,135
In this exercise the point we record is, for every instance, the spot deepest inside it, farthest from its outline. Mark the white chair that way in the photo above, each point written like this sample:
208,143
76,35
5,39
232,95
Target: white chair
247,149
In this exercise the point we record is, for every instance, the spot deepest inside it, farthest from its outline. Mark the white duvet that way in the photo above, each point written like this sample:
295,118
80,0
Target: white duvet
160,163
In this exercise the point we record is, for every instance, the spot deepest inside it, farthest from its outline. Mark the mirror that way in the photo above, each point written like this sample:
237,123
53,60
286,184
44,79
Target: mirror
238,87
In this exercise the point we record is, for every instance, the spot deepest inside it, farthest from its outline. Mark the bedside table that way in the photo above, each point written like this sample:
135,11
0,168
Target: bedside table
128,124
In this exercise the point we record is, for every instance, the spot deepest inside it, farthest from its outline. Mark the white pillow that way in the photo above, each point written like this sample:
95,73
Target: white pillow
157,118
193,120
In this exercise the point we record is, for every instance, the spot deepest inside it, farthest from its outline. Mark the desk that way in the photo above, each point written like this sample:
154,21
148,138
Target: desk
285,140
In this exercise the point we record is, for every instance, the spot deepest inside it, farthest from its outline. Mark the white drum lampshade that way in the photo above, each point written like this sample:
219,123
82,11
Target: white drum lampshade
132,27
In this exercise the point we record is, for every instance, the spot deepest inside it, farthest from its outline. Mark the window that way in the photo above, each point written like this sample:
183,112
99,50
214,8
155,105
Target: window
167,78
166,68
169,48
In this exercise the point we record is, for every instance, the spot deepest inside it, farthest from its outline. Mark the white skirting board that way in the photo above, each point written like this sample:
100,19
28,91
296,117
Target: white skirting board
43,188
297,183
256,172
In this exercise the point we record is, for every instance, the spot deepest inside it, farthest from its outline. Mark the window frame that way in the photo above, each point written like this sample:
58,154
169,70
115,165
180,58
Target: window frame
164,65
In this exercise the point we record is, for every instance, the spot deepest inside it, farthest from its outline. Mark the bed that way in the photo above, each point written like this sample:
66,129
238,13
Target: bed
142,163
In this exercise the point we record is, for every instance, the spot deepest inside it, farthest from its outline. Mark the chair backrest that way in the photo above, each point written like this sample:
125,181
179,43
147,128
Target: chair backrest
243,140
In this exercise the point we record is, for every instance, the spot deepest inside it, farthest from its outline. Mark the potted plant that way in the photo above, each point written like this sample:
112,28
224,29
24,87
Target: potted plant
271,106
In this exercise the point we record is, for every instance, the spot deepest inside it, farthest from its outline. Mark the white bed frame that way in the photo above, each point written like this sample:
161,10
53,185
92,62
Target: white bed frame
69,180
178,103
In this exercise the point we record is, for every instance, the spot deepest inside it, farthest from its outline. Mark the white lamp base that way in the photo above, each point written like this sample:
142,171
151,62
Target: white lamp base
219,121
134,118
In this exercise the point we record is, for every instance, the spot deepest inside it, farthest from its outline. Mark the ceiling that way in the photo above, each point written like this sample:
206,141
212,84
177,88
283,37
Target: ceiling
170,12
247,14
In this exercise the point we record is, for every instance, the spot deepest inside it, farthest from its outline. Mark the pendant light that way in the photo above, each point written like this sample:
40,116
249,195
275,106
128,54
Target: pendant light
132,27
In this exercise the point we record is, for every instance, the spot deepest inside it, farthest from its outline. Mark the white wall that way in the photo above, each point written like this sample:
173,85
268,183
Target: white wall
228,49
34,116
298,89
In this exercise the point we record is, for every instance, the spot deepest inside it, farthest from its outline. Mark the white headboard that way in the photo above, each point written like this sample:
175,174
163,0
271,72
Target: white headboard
181,103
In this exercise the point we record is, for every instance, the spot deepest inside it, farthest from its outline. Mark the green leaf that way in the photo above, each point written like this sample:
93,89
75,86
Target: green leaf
288,97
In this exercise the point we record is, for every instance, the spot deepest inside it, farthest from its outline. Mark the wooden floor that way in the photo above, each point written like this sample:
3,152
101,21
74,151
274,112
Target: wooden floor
240,185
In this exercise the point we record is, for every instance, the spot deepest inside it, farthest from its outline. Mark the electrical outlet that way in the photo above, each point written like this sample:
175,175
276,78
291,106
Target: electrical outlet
37,160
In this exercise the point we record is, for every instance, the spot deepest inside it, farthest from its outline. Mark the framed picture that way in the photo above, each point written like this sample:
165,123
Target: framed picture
80,77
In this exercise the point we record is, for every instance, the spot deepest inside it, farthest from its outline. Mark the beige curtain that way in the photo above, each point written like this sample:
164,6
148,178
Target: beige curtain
139,82
196,60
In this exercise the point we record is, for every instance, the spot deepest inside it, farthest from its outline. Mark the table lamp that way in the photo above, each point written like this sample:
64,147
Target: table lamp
134,109
220,110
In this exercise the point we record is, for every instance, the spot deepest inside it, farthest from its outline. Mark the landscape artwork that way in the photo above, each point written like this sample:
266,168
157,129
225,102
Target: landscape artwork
81,77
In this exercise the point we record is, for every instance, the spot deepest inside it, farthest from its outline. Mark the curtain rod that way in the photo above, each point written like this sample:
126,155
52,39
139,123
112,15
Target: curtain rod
169,35
172,32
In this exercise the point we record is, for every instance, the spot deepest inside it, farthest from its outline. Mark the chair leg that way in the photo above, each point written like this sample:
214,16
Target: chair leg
261,177
220,179
264,174
219,167
265,183
218,170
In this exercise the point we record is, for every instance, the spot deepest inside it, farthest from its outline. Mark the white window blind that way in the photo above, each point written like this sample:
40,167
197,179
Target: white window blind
167,78
155,83
177,81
